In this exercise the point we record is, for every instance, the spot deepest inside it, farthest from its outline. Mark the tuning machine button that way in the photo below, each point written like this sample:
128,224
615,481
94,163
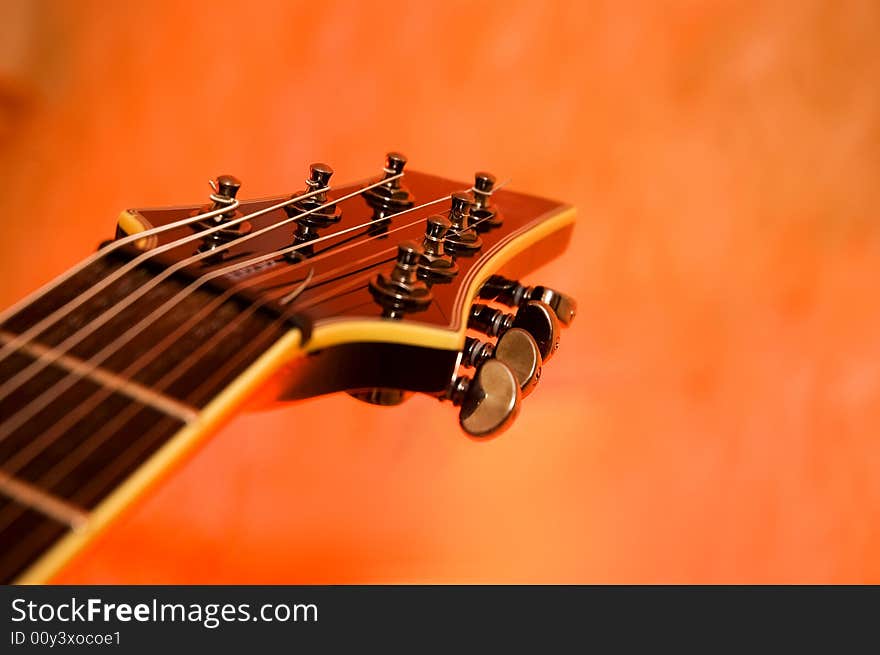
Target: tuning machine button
515,294
402,291
225,188
516,348
461,237
436,264
484,214
393,197
534,317
489,401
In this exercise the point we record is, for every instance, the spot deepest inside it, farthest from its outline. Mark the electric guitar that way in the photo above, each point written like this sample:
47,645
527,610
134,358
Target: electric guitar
403,283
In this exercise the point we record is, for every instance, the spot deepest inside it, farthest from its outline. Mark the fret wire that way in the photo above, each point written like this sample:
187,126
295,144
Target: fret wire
47,504
52,476
118,382
141,291
22,457
94,485
229,366
47,438
9,514
141,444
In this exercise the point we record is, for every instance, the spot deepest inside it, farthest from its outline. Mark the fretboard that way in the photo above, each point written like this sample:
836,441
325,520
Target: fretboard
76,422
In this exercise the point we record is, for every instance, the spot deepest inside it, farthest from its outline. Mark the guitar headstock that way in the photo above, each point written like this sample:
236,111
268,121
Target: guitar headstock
402,283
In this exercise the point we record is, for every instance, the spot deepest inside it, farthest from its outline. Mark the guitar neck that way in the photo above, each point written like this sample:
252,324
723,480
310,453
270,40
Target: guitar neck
89,429
112,373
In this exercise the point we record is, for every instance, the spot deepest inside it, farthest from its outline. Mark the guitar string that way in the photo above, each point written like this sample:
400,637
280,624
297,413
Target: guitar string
110,247
37,329
257,305
97,438
140,445
44,360
17,341
24,456
21,415
41,401
28,300
69,462
281,319
361,281
11,512
64,466
84,495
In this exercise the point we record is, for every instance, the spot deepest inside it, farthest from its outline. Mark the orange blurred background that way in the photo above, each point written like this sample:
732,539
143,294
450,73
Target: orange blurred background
714,413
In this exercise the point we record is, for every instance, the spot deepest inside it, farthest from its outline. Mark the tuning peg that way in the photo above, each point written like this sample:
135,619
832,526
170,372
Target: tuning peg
534,317
489,401
321,214
393,197
512,292
225,188
484,214
402,290
462,238
435,263
516,348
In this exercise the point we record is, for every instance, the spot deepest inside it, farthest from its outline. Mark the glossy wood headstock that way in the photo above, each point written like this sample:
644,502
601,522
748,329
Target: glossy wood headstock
330,283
